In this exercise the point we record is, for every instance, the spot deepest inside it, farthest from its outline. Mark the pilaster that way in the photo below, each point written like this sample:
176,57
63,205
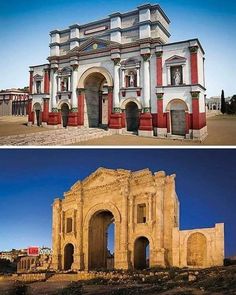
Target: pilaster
194,64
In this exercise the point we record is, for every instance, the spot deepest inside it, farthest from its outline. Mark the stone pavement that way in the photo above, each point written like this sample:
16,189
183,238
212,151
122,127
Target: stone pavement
54,137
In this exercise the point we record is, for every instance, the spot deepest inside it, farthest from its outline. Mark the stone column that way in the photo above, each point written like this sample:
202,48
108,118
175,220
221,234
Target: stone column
45,110
145,124
159,68
81,97
194,64
78,256
138,76
146,82
195,109
74,101
116,98
54,89
46,81
56,235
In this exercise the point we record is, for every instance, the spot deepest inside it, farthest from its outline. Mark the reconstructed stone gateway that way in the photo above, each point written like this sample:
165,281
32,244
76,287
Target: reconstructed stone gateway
145,211
121,73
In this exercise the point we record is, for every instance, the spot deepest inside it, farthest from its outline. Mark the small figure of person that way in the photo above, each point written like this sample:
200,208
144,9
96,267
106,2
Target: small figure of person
177,77
131,79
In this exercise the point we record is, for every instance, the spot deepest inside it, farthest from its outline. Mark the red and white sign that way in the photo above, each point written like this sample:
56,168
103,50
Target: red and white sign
33,251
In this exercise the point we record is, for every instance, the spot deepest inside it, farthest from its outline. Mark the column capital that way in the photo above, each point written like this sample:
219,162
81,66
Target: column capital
116,61
159,95
110,89
159,53
80,90
117,110
74,66
195,94
54,110
193,49
45,99
146,56
147,110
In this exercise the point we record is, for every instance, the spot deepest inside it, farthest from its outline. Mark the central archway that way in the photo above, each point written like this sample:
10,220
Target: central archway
95,81
99,256
141,253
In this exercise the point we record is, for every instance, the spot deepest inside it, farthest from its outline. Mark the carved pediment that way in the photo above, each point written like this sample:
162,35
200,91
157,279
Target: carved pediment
103,177
176,59
94,44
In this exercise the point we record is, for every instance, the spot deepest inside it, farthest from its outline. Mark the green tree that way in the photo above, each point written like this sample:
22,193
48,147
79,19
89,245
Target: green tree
223,104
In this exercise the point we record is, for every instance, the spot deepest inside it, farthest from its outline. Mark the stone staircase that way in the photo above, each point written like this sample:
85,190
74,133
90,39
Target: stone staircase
55,137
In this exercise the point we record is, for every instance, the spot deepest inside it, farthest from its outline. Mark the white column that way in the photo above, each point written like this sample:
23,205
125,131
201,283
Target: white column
54,89
138,77
123,78
73,87
69,82
116,99
59,84
168,76
146,81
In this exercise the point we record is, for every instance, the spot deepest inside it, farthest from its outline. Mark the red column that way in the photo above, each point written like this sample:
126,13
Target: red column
81,107
110,103
45,109
46,81
159,68
30,113
186,123
195,109
160,116
31,82
194,64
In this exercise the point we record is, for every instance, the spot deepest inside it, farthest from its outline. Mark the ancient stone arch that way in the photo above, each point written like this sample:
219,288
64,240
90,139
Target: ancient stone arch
93,70
145,211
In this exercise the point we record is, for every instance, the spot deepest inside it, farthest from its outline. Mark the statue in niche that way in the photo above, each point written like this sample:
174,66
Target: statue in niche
177,77
131,79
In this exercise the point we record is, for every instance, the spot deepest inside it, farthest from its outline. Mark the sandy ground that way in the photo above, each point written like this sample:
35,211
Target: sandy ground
221,131
10,125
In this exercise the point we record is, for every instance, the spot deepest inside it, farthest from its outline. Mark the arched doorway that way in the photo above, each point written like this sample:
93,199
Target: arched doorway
38,114
101,236
196,250
141,253
177,109
68,256
64,114
96,100
132,116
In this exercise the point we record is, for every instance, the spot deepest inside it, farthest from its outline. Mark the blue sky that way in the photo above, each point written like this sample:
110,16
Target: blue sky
25,26
31,179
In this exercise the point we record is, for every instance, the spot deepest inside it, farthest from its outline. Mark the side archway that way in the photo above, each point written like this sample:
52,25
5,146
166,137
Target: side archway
196,250
177,110
141,253
68,256
37,113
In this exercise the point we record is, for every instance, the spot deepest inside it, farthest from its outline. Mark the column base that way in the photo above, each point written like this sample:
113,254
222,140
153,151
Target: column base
54,119
145,122
145,133
161,132
200,134
73,119
115,121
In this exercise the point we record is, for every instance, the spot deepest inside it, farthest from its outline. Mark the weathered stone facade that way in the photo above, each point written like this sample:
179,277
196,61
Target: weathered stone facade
145,211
